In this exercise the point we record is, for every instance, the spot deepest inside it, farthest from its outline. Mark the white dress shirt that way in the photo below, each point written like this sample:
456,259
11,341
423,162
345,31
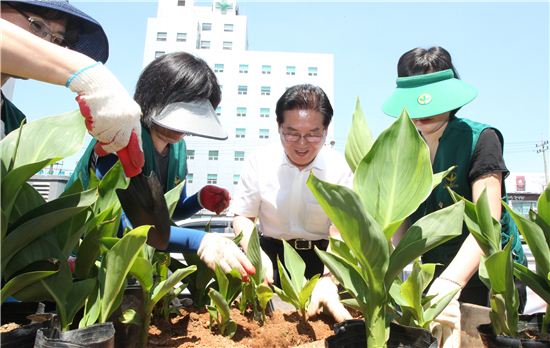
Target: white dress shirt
274,190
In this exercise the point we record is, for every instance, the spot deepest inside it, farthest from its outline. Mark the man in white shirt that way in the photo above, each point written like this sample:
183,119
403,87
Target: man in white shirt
273,189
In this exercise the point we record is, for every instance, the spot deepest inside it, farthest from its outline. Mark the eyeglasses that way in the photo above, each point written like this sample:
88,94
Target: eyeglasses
312,138
39,28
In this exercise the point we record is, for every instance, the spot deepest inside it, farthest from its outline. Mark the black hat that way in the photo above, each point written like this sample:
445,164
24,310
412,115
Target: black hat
92,40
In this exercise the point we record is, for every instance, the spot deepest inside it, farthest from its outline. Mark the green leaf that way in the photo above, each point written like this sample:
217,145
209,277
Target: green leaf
287,286
114,179
264,294
487,224
22,281
359,140
78,294
118,262
254,255
27,200
435,309
383,178
166,286
305,294
227,326
359,231
142,270
535,238
543,216
172,197
427,233
295,265
130,316
540,285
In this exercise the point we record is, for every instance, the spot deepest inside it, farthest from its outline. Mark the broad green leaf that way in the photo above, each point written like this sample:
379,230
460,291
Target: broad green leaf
43,248
540,285
22,281
78,294
287,286
438,177
411,290
27,200
359,231
254,255
113,179
435,309
50,215
543,216
535,238
92,308
359,140
227,326
142,270
223,282
305,294
427,233
487,224
59,287
295,266
164,287
172,197
118,262
383,179
347,276
264,294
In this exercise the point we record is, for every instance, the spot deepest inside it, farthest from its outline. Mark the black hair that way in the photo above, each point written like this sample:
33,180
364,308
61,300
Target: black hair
304,97
175,77
420,61
72,28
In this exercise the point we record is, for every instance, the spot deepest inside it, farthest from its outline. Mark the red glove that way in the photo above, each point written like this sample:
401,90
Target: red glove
131,157
214,198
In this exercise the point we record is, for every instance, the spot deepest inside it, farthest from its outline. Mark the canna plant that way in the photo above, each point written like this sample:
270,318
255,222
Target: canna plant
295,288
418,310
536,232
390,183
255,293
229,288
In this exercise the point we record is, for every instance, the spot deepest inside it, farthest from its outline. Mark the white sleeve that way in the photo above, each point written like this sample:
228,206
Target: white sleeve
246,200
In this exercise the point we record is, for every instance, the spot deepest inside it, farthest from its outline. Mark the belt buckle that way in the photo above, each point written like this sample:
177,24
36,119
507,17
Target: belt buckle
302,244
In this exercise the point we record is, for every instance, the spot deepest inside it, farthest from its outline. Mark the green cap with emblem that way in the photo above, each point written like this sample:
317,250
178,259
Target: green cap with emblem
429,95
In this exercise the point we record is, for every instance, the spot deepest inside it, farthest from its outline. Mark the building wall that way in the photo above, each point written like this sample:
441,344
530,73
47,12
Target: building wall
524,190
266,76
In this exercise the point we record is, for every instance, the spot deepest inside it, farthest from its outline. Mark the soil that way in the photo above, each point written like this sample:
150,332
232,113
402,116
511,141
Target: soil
282,329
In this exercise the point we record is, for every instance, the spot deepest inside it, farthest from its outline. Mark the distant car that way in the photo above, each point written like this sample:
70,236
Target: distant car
218,224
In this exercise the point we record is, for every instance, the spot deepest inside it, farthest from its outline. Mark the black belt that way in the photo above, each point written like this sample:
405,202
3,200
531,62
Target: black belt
300,244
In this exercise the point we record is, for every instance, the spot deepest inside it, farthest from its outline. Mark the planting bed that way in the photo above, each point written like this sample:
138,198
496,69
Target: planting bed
282,329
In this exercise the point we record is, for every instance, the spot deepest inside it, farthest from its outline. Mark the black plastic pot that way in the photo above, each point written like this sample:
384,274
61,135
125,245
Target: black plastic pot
351,334
17,312
94,336
531,322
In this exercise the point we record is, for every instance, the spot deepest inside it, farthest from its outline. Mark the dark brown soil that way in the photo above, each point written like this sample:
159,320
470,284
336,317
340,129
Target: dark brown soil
191,329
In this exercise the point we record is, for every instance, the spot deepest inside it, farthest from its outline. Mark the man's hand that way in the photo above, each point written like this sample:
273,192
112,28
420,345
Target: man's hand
111,115
214,198
219,250
446,326
267,266
325,296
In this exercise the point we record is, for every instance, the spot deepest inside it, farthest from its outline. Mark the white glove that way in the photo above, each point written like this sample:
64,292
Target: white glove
446,326
325,296
219,250
112,116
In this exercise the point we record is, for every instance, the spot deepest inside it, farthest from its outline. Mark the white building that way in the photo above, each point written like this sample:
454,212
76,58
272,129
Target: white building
524,190
251,81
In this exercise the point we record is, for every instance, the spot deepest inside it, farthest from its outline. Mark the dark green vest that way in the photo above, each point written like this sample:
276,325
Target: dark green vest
177,162
11,115
456,147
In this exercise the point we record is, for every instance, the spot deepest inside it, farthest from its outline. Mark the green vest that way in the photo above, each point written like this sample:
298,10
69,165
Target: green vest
11,115
177,162
456,147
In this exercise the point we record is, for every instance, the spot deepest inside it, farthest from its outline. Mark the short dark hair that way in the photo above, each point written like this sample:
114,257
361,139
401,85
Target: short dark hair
175,77
420,61
304,97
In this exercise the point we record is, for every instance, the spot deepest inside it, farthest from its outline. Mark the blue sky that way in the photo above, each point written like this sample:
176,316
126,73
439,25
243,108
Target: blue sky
502,48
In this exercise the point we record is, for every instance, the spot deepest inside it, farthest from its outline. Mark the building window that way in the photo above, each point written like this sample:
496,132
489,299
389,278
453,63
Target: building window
312,71
159,53
241,111
206,26
264,112
161,36
264,133
239,155
240,132
181,37
218,67
219,111
213,155
266,69
205,44
190,178
190,154
243,68
227,45
211,178
266,90
228,27
181,2
243,90
236,178
290,70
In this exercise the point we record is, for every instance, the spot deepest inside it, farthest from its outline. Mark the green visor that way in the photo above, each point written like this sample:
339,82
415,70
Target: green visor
429,95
